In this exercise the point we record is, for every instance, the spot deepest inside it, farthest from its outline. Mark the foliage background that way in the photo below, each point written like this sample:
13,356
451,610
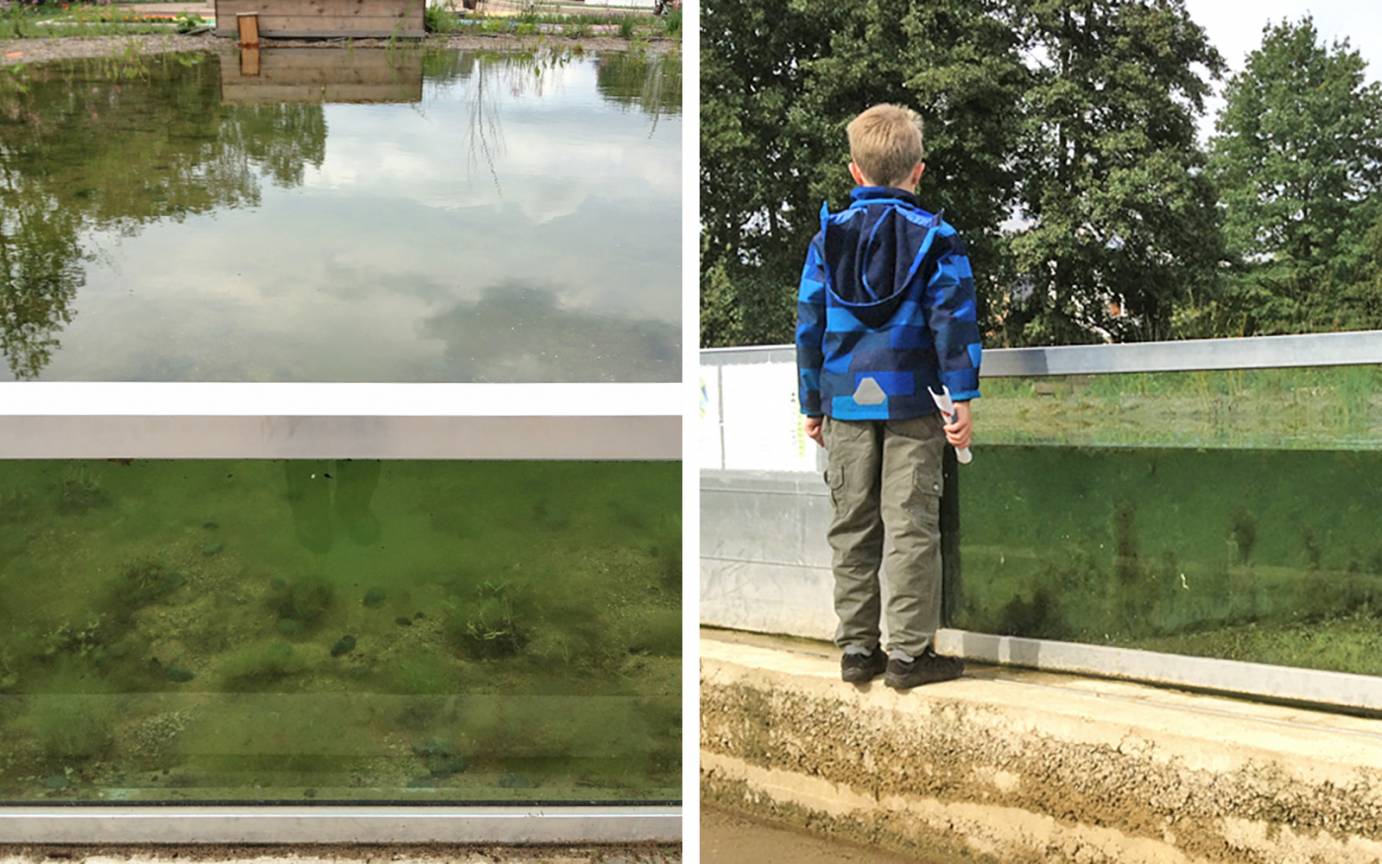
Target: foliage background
1061,142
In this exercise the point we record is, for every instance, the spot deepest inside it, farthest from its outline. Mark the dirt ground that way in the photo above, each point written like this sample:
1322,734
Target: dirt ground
730,839
17,51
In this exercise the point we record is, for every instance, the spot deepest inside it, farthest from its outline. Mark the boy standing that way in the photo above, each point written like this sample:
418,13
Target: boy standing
885,312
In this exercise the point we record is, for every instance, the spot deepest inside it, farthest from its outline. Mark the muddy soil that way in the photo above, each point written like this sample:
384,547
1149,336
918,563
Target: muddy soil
730,839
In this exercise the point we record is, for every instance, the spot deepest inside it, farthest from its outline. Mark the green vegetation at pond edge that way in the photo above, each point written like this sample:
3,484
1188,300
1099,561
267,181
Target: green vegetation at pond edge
1265,555
290,631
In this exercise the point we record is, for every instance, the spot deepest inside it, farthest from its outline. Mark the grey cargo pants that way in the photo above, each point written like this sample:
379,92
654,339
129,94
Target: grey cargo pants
885,485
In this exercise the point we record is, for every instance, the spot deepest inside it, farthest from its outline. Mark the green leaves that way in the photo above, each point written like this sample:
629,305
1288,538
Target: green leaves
1296,161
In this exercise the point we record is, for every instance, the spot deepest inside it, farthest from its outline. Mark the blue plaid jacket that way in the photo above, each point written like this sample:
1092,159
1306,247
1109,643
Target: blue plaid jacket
885,311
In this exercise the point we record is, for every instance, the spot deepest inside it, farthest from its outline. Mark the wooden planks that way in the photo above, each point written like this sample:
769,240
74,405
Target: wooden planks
322,75
308,19
247,23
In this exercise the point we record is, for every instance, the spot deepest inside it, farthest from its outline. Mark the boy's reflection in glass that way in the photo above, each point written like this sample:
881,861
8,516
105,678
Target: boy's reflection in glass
331,495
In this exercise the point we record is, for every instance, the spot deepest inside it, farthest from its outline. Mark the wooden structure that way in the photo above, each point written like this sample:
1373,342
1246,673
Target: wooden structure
277,75
324,19
247,24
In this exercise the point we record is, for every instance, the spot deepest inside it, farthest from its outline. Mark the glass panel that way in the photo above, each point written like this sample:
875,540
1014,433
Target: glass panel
342,215
1224,514
316,631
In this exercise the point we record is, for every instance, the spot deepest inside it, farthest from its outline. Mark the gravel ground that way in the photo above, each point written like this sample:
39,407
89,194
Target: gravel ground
15,51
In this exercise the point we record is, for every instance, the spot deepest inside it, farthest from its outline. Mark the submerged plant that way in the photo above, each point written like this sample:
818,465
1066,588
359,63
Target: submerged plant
73,729
260,664
80,492
304,600
488,627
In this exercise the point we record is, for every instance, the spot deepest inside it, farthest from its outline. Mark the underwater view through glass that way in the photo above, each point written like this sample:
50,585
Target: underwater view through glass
342,215
1224,514
412,631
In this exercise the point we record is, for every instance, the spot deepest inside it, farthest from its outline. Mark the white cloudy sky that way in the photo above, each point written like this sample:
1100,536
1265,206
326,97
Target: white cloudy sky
1235,28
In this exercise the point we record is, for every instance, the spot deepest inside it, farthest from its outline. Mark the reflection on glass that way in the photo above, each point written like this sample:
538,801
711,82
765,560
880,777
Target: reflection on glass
1224,514
175,218
338,630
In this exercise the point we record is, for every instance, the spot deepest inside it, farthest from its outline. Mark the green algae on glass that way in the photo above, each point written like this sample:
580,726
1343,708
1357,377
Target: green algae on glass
419,216
412,631
1224,514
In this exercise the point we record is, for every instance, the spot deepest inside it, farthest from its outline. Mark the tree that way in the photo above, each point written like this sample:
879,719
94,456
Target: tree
1119,225
1060,136
1296,159
780,79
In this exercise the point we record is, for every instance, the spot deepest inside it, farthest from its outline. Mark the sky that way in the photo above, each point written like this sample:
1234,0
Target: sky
1235,28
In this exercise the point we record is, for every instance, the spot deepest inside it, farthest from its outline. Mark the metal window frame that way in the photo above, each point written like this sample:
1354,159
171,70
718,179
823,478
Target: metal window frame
1333,690
325,437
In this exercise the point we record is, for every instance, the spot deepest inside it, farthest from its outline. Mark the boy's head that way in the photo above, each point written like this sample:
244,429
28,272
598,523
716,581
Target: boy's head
885,147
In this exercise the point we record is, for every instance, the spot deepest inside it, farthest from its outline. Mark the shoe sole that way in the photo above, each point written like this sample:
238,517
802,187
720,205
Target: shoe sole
863,676
908,684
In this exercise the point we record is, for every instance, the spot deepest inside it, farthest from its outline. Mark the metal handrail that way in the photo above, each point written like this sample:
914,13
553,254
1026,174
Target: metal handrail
1186,355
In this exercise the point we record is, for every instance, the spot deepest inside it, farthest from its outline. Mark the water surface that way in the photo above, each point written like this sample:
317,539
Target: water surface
339,215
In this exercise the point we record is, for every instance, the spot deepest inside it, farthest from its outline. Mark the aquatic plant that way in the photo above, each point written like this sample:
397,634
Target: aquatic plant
305,599
72,729
440,757
260,664
80,492
487,628
149,582
1243,530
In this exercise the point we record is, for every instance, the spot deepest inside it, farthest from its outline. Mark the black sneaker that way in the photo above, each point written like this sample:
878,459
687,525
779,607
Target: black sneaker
926,669
859,668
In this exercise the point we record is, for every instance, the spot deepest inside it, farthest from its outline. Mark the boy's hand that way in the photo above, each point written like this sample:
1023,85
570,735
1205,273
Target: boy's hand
961,428
813,430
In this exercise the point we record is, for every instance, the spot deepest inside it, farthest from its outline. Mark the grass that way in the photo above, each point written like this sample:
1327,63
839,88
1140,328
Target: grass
48,21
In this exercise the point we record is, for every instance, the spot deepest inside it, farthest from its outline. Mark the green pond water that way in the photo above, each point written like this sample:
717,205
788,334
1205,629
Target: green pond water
342,215
1218,514
318,631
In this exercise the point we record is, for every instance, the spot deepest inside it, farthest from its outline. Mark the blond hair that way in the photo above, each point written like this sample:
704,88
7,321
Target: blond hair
886,143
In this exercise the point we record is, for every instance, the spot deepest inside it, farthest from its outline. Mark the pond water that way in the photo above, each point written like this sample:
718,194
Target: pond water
1220,514
313,631
342,215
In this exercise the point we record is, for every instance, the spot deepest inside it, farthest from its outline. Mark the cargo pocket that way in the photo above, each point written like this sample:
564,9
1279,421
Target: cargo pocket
835,480
926,492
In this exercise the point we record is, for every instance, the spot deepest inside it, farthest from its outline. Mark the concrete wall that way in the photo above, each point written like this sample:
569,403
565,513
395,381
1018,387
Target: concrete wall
1020,767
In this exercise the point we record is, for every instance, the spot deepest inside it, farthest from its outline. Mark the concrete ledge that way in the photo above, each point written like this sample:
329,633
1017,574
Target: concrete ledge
1017,766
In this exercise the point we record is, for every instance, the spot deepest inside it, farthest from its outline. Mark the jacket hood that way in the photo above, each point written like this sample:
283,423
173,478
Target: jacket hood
874,248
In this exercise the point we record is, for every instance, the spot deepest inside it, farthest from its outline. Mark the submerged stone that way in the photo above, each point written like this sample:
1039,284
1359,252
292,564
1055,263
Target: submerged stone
179,674
343,646
374,598
211,550
403,621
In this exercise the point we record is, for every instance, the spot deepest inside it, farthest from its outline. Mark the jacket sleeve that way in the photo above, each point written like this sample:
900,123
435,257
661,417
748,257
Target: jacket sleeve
811,330
951,315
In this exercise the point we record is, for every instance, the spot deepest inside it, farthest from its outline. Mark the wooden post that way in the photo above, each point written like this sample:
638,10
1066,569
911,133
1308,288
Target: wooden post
249,62
248,25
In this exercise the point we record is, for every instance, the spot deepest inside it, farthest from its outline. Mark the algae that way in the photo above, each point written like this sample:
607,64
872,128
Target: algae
533,657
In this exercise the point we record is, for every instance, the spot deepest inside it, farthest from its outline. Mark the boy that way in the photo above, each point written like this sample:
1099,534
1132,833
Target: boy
885,312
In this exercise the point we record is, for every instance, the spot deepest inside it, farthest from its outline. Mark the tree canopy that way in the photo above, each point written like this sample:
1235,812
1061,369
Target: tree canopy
1061,141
